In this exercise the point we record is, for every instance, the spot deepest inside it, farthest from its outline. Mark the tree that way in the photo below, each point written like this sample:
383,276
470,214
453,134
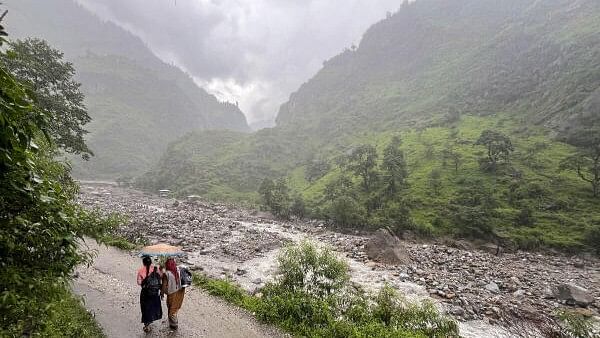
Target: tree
298,207
586,161
40,226
346,211
316,169
39,66
449,154
499,147
363,162
394,168
276,197
435,181
342,186
266,192
473,211
280,205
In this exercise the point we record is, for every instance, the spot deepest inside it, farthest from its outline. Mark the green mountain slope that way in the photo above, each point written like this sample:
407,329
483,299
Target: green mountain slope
438,73
138,103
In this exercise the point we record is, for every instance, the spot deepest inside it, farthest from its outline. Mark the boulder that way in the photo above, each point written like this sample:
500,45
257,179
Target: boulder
386,248
492,287
573,295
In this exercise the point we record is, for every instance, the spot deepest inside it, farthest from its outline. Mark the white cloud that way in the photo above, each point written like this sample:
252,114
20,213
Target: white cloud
255,52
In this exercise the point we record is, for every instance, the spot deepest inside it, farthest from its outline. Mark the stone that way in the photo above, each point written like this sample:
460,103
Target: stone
519,293
240,272
257,281
492,287
386,248
457,311
403,276
573,295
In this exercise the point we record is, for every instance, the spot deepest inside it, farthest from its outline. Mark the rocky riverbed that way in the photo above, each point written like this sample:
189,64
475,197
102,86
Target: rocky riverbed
491,295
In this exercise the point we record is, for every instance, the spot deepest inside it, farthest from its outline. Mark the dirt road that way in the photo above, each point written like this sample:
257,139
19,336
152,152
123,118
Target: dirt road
110,292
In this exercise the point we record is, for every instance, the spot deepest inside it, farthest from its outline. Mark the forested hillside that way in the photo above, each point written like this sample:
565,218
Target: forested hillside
138,104
473,118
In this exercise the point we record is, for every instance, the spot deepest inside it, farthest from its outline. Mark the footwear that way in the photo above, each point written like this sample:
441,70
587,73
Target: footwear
147,328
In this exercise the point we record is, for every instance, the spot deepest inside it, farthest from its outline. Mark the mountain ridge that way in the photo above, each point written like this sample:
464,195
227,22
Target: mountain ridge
173,103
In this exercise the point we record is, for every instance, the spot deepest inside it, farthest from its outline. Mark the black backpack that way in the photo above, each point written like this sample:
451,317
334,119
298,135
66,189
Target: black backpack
186,277
152,282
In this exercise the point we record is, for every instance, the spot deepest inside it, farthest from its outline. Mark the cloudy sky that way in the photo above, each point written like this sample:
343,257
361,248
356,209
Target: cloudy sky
255,52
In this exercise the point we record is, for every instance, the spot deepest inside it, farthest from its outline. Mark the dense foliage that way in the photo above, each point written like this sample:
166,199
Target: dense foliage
43,70
40,225
487,111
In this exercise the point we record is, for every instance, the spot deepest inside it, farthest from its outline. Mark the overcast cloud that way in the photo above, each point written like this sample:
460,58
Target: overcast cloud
255,52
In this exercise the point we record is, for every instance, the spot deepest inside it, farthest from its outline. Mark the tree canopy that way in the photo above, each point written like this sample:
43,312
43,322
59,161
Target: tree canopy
42,69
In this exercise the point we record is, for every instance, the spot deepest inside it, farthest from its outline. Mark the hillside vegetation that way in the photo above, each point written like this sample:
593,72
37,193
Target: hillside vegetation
137,103
436,75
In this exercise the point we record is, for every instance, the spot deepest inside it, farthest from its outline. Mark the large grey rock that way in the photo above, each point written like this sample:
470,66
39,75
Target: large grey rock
386,248
492,287
573,295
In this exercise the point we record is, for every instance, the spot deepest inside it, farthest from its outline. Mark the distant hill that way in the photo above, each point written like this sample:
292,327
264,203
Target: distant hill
138,103
438,73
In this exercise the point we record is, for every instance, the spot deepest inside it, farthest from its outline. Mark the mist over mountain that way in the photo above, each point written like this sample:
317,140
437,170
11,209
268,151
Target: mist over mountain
438,74
252,52
137,102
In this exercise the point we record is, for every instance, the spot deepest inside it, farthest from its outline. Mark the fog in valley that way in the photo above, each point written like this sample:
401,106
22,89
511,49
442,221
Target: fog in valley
426,168
252,52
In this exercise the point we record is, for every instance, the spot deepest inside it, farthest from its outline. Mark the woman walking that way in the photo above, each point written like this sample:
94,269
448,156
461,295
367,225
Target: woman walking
171,285
149,278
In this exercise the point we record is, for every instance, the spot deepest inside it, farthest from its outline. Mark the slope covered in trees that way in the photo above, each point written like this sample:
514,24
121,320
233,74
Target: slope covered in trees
489,101
138,103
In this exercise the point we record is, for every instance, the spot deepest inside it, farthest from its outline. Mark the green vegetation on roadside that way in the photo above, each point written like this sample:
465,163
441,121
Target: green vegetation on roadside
40,223
67,317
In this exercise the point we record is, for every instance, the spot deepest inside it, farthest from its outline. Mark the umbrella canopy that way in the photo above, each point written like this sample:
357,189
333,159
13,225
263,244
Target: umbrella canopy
161,250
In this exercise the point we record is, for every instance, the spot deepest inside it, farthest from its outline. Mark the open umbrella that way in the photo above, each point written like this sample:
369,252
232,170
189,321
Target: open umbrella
161,250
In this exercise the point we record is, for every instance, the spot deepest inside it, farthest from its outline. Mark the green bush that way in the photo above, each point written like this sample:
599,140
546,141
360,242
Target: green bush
347,212
592,238
312,296
306,268
575,325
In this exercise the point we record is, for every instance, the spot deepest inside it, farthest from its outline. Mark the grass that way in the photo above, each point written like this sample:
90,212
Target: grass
69,318
118,242
542,183
64,316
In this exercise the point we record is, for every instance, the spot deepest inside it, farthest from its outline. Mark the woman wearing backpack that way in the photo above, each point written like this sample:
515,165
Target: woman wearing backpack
149,278
171,285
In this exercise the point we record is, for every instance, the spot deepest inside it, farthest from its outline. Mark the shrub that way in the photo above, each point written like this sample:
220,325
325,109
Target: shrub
312,296
576,325
525,217
346,211
306,268
592,238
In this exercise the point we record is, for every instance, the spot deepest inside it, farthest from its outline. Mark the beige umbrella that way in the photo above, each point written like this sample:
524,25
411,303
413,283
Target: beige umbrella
161,250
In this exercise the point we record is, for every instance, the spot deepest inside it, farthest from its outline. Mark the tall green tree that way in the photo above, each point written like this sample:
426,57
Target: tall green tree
586,161
39,222
394,168
267,186
42,69
363,163
499,147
